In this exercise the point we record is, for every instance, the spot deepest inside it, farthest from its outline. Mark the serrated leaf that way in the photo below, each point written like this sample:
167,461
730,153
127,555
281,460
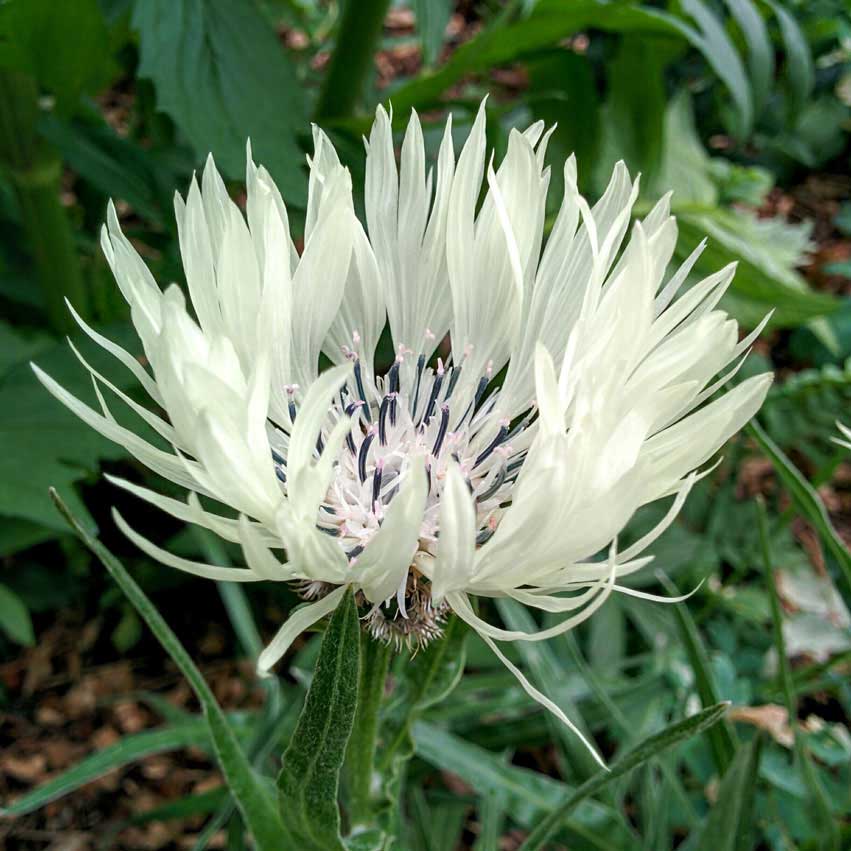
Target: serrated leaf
766,251
14,618
310,774
255,804
222,76
647,750
730,821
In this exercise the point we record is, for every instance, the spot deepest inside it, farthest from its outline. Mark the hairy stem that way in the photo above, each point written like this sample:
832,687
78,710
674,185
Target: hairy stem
360,754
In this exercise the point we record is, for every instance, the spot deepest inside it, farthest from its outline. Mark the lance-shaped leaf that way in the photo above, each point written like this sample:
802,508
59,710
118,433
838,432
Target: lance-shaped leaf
255,804
648,749
728,827
310,774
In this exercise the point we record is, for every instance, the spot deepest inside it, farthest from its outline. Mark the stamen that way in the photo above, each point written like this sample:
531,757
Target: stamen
376,481
495,485
393,377
362,454
432,399
441,430
453,380
362,392
349,410
484,535
501,436
291,388
416,397
382,420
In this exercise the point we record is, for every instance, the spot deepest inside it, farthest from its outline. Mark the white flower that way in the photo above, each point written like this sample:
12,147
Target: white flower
434,481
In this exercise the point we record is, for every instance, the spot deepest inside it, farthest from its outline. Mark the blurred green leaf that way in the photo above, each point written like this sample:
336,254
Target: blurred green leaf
14,618
250,792
800,73
805,496
60,44
656,744
128,749
117,167
721,737
549,23
714,43
730,822
48,445
760,50
637,102
562,86
528,795
310,771
766,251
432,16
222,76
550,672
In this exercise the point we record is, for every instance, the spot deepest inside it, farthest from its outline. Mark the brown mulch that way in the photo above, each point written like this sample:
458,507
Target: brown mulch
65,707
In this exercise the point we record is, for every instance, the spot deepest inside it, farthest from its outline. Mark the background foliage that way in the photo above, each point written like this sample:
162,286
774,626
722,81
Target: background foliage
743,109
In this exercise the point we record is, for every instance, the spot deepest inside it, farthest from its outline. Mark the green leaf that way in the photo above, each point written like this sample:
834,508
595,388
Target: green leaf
562,86
46,445
800,73
222,76
14,618
115,166
422,681
804,496
369,840
252,797
128,749
527,795
637,101
550,22
730,821
766,251
60,44
432,16
721,737
715,45
547,670
310,773
760,49
652,747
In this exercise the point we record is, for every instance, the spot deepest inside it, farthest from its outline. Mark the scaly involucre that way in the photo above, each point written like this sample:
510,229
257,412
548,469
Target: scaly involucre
431,482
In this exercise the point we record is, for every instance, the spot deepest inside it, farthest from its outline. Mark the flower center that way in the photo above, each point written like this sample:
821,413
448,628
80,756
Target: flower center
416,413
405,421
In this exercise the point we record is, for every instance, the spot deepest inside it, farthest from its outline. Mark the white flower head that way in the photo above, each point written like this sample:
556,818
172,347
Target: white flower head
576,389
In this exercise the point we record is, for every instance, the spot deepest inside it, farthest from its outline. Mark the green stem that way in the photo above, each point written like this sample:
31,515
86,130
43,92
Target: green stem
360,753
357,36
36,173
